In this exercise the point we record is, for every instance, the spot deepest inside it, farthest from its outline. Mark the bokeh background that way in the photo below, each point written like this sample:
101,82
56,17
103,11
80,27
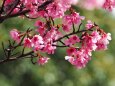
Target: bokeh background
100,71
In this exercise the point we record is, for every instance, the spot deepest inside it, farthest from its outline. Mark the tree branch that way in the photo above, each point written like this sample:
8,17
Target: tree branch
16,58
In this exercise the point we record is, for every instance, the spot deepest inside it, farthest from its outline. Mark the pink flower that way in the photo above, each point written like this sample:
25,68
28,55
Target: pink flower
109,4
95,36
89,25
80,59
39,24
41,31
89,42
52,34
38,47
27,43
15,35
66,28
37,42
37,39
49,49
103,42
72,40
74,18
43,60
70,59
71,51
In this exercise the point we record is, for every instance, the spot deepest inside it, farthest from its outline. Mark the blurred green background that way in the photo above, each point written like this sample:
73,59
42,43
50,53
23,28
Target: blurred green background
100,71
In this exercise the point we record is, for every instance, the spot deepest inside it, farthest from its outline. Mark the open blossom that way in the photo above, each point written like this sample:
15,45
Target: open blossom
95,36
72,40
27,42
39,24
15,35
52,35
80,59
49,49
42,60
41,31
89,24
66,28
71,51
89,43
37,42
103,42
37,39
74,18
109,4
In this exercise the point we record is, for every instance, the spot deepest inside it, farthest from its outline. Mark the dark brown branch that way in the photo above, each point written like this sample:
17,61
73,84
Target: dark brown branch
79,26
73,28
4,49
2,18
71,34
2,8
60,46
14,6
43,6
16,58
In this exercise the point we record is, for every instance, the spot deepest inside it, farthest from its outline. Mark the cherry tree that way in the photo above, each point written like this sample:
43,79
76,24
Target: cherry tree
48,36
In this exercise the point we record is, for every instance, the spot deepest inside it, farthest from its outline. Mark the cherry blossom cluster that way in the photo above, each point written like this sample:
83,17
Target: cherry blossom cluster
46,8
109,4
79,56
48,36
79,43
37,7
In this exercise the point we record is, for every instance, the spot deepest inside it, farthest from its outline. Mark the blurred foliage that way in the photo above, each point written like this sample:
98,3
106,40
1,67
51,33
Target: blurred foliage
100,71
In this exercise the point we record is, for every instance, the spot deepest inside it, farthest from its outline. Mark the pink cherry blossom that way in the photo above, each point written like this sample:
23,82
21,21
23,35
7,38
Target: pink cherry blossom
95,36
103,42
49,49
74,18
43,60
71,51
66,28
37,39
109,4
89,43
38,47
15,35
27,42
80,59
37,42
41,31
39,24
72,40
89,24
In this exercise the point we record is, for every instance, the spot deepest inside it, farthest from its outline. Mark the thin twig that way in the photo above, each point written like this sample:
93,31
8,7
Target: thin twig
79,27
71,34
4,49
2,8
16,58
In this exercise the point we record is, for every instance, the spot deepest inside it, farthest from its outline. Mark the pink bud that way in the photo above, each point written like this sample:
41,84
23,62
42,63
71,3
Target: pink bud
15,35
